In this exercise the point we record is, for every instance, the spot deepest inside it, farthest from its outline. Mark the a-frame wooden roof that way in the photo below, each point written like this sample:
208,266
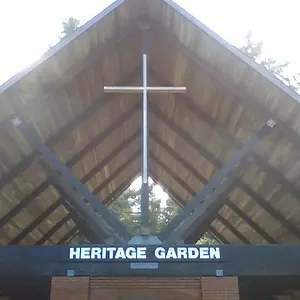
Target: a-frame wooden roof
229,97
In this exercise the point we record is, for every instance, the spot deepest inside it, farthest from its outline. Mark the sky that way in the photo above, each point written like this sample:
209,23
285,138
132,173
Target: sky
27,28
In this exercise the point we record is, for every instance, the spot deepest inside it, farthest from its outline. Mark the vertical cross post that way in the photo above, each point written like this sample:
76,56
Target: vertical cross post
145,222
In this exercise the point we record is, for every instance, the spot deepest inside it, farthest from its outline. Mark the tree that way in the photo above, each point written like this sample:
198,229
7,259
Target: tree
127,209
207,240
69,25
253,49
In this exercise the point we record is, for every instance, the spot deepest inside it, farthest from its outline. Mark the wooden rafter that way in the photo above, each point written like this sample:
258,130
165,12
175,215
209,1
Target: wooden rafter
197,175
214,161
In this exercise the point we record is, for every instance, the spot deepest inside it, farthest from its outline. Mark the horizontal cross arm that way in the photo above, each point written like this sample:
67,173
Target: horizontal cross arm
139,89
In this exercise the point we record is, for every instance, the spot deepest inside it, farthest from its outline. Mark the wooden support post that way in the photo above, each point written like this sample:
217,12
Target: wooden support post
219,288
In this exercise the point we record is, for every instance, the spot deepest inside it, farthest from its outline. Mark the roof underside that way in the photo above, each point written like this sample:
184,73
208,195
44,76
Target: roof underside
192,135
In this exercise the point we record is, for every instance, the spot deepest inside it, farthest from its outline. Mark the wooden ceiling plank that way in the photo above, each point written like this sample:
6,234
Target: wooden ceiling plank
35,222
68,236
244,186
70,163
248,101
120,189
261,161
72,72
55,228
179,182
132,159
87,177
97,104
237,233
173,195
229,203
173,174
251,223
218,235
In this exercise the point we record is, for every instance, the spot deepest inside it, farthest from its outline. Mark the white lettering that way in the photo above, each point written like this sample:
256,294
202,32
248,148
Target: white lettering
74,253
96,253
181,253
193,253
120,253
131,253
204,252
171,253
160,253
141,253
214,253
104,253
85,253
111,252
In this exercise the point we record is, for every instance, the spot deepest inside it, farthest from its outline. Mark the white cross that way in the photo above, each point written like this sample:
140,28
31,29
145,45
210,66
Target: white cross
144,89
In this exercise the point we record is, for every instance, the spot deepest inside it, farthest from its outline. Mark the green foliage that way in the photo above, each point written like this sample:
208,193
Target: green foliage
127,209
207,240
254,49
69,25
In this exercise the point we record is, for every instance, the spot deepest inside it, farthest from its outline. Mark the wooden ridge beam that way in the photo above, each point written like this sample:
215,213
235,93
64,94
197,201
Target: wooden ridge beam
184,135
70,163
203,180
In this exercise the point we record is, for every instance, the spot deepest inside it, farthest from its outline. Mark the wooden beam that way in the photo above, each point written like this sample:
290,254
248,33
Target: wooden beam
54,229
114,175
203,180
184,135
237,233
98,53
84,180
218,235
231,140
90,110
36,222
170,173
68,236
70,163
172,194
120,189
